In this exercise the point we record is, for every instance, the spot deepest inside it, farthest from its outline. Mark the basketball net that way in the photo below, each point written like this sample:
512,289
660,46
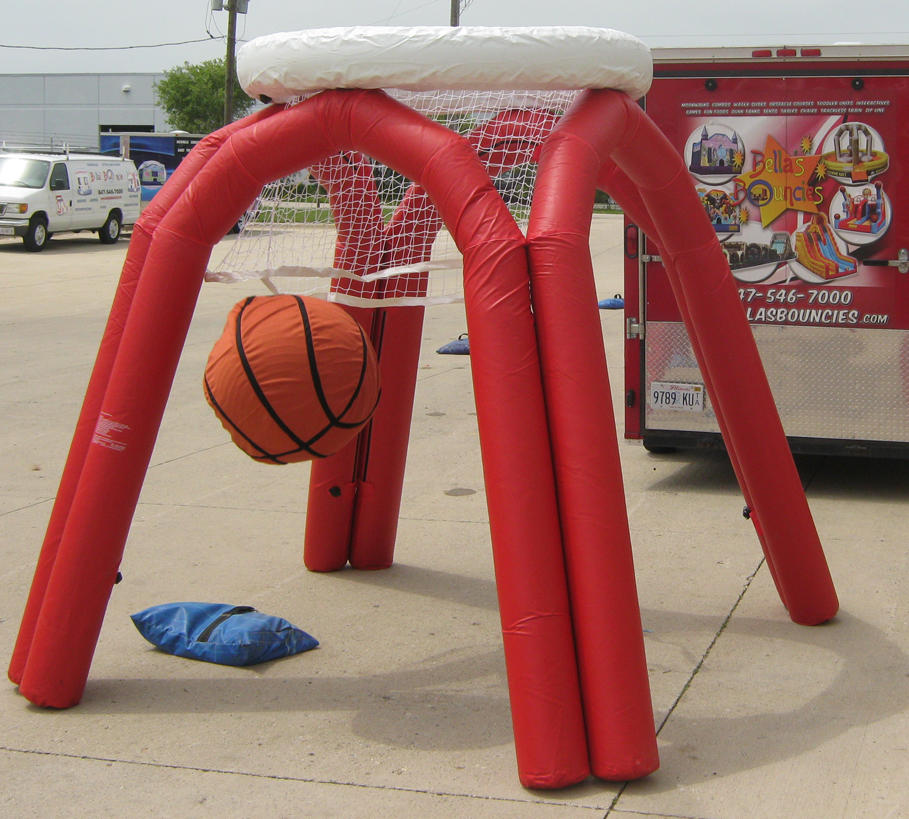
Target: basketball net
355,231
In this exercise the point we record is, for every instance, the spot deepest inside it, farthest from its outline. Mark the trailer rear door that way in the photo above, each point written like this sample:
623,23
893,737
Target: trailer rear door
803,169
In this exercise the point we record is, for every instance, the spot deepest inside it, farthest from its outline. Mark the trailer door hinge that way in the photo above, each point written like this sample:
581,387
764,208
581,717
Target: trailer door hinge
901,262
634,328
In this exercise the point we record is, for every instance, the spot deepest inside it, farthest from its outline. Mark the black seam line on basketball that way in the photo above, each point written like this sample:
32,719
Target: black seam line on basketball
307,446
364,361
266,455
314,371
257,389
337,422
288,453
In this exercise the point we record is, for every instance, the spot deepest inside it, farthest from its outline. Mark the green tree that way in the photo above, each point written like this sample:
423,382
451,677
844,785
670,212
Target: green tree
193,96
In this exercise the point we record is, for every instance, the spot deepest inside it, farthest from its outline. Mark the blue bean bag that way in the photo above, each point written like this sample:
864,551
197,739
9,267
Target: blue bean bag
220,633
615,303
460,346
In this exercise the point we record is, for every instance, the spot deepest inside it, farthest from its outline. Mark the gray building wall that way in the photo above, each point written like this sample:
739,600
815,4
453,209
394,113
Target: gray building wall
53,109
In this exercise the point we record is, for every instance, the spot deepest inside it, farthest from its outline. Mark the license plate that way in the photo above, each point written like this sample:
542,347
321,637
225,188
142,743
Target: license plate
7,231
671,395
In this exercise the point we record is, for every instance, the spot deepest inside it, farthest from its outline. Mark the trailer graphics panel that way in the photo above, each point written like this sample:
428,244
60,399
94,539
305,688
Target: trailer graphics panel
803,176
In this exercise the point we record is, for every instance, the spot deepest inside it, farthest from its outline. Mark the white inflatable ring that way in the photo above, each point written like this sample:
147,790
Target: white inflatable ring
280,66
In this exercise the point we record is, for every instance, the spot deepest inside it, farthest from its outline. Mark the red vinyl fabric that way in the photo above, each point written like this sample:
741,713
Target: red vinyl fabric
728,357
533,597
110,343
607,621
355,496
548,447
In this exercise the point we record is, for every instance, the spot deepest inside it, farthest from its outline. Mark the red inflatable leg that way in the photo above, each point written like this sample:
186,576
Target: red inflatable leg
533,601
706,289
613,668
539,645
91,546
355,495
384,452
613,180
110,342
381,450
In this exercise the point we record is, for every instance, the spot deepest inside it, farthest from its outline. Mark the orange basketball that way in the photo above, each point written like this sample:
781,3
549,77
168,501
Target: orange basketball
291,378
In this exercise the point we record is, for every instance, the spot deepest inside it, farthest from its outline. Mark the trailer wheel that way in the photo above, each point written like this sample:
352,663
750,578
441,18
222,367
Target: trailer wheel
110,230
36,237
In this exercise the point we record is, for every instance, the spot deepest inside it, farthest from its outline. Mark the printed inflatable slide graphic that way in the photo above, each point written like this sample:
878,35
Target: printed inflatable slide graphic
817,250
783,208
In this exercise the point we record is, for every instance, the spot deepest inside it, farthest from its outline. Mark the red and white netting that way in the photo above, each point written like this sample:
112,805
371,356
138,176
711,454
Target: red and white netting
358,231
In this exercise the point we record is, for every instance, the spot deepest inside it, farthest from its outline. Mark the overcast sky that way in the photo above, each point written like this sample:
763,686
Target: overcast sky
67,36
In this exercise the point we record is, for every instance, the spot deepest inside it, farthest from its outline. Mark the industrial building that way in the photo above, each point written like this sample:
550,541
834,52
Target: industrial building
73,109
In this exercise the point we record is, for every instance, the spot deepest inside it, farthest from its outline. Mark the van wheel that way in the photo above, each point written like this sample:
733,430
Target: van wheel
110,230
36,237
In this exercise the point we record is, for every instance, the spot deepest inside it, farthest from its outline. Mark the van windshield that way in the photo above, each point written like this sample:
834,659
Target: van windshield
16,172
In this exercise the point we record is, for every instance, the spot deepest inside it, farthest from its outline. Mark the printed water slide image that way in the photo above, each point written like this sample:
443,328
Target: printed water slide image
819,254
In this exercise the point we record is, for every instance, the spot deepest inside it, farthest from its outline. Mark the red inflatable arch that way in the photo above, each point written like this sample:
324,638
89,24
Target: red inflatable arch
565,577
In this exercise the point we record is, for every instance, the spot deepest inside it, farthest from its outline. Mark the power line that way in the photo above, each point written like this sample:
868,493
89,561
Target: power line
111,48
395,14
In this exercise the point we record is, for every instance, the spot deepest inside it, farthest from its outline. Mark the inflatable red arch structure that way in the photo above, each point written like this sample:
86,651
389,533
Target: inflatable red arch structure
572,634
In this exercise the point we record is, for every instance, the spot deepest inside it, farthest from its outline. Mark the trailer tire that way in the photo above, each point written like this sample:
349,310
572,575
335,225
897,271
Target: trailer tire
36,237
658,449
110,230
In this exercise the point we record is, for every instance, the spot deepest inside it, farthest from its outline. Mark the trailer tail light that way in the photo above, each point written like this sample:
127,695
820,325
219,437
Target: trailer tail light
764,53
631,241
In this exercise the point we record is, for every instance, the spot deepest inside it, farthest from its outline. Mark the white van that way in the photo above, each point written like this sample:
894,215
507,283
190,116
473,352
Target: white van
42,194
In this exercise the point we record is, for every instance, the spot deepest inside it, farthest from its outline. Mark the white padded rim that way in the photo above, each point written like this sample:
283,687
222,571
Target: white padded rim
422,58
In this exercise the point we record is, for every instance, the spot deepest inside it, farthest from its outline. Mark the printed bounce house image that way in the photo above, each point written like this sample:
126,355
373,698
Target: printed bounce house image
563,99
716,153
854,156
725,215
866,212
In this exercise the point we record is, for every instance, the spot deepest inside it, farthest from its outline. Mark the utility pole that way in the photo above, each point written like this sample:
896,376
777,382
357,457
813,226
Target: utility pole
230,62
233,8
455,12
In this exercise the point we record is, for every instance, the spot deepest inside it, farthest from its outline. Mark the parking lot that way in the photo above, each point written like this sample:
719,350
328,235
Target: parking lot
403,709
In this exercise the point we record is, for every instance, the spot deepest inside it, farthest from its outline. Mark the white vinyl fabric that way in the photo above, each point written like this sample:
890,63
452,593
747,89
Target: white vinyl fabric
290,64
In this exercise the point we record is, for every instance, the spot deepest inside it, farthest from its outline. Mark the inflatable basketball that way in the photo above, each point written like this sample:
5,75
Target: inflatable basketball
291,378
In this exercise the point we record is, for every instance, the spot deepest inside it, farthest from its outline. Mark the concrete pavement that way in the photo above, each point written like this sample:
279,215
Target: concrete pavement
403,709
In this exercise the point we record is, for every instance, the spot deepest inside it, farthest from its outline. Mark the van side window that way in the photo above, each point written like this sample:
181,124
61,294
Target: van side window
59,180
